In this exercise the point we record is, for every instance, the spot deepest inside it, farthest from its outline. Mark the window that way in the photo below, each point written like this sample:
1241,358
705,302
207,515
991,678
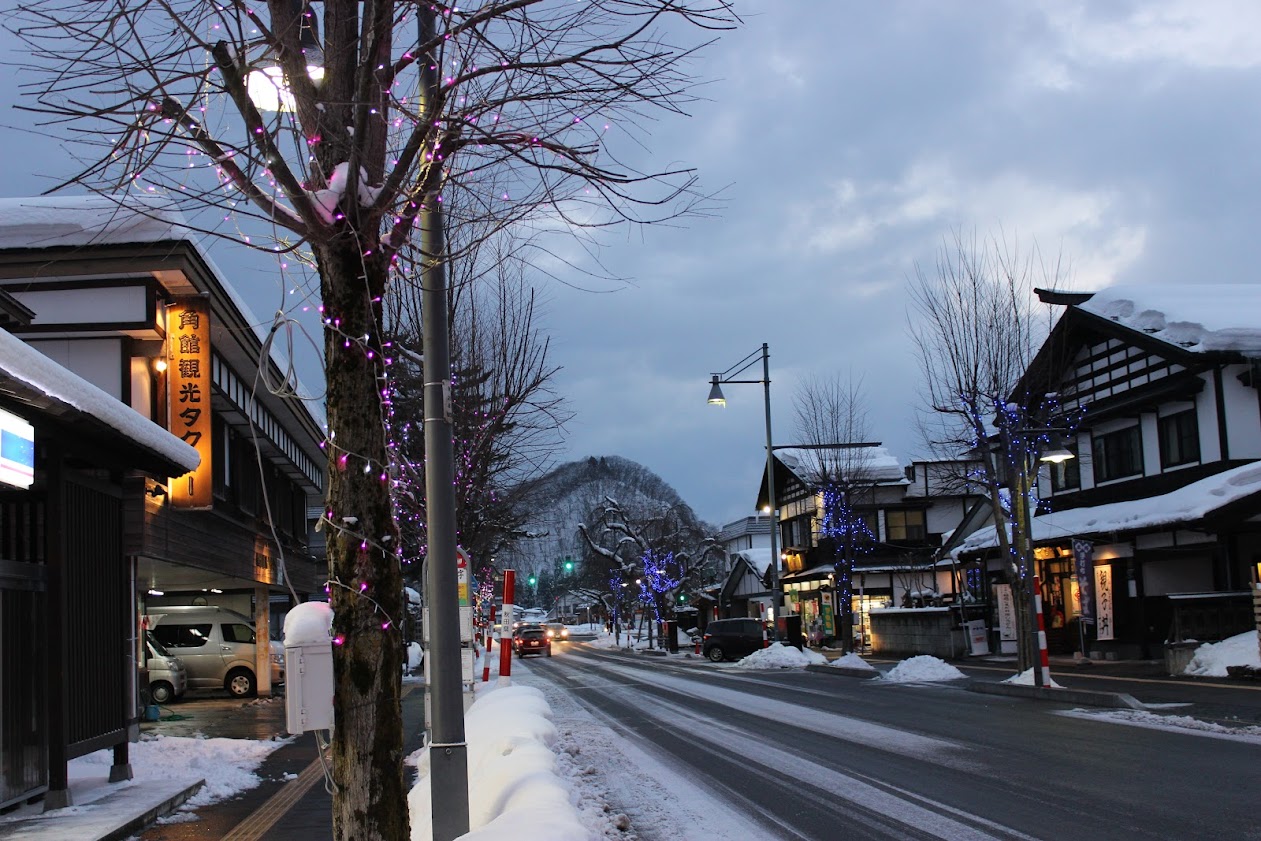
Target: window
236,632
183,636
1118,454
904,526
1066,475
1179,439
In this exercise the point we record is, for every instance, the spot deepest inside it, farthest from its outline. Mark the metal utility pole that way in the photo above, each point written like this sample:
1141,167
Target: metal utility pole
448,752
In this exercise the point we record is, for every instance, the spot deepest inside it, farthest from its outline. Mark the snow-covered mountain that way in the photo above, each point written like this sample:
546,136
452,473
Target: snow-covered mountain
557,502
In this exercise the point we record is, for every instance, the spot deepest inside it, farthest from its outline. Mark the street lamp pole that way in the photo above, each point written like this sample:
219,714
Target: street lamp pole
716,398
448,751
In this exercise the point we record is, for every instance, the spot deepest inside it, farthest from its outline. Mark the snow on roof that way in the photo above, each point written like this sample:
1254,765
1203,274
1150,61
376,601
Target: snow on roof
1215,316
758,559
873,462
51,221
25,363
1186,504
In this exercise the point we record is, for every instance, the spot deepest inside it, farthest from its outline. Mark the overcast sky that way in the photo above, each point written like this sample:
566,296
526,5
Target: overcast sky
849,139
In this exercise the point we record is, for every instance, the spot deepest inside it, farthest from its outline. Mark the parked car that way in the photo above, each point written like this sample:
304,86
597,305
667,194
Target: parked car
557,631
216,645
531,640
168,678
731,639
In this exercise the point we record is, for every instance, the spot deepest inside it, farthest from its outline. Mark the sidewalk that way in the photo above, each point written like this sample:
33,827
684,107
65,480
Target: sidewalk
290,804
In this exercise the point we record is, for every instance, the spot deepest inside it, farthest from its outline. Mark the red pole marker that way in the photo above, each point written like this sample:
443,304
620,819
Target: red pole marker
505,627
490,639
1044,657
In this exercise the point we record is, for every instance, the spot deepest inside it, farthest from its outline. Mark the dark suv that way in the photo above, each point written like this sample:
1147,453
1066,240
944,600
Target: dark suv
532,639
731,639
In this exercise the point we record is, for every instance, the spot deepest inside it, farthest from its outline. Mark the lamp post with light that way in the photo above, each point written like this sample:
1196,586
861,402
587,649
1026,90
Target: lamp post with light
716,399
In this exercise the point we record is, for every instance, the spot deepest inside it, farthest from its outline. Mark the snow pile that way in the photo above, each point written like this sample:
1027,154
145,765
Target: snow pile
852,661
1212,658
226,764
518,793
1025,678
925,667
605,640
780,656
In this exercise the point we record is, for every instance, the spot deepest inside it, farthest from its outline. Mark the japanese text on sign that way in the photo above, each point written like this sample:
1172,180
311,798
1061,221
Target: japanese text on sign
188,390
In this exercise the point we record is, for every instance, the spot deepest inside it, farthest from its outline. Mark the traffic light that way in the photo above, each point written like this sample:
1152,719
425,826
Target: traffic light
682,597
569,565
532,580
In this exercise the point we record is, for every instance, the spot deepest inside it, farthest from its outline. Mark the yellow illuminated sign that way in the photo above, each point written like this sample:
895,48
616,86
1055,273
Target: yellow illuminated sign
188,397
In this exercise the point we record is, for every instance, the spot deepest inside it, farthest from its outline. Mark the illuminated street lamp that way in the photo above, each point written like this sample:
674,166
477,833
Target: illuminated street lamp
716,399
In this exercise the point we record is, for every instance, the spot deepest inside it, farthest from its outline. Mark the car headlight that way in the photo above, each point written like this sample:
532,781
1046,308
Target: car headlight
278,659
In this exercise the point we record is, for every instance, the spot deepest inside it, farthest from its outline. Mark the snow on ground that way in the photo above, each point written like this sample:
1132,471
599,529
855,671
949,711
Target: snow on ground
1212,658
227,765
924,667
780,656
1025,678
1173,723
852,661
623,792
515,789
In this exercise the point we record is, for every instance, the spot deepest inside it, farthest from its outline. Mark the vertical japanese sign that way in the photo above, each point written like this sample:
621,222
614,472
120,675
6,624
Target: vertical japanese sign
1103,601
1006,612
188,416
1083,561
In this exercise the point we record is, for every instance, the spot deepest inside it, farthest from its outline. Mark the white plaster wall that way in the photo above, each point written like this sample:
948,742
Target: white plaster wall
99,361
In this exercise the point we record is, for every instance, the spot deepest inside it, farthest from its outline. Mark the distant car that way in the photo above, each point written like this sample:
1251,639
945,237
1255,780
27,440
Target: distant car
731,639
557,631
532,639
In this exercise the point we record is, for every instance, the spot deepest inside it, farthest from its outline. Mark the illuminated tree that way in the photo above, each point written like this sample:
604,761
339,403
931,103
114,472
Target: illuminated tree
506,103
975,332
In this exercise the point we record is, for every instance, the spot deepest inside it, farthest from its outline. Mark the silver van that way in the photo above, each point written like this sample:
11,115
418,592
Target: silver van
216,646
168,679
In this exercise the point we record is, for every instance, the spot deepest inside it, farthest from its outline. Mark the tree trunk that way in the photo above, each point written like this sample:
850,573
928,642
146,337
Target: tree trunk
844,586
366,584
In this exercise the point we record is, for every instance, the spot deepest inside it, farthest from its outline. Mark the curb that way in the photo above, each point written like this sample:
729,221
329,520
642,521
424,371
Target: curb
844,671
146,819
1113,700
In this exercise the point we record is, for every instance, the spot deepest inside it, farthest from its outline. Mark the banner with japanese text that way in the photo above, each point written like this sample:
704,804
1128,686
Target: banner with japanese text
1083,561
188,397
1103,602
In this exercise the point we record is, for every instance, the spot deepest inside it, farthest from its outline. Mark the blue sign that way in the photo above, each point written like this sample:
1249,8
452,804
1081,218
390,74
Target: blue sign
17,451
1083,562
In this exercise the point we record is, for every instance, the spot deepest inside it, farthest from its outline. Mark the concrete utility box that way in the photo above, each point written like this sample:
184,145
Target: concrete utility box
309,687
309,668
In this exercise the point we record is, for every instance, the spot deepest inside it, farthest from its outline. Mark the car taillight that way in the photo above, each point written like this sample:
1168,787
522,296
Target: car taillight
706,636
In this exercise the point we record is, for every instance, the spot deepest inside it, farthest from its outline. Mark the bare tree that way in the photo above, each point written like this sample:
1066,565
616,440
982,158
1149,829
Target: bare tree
417,102
975,332
506,418
660,550
832,421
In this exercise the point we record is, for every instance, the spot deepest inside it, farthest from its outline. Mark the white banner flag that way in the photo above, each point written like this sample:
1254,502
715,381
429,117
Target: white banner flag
1103,602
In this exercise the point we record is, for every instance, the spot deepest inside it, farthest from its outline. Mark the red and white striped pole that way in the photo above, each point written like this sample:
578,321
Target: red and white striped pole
490,640
505,627
1044,660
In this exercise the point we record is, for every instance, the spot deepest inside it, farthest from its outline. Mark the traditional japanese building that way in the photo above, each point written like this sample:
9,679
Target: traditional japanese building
1152,534
126,300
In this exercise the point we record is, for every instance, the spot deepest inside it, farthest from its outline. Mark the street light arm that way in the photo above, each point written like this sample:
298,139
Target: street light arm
740,367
